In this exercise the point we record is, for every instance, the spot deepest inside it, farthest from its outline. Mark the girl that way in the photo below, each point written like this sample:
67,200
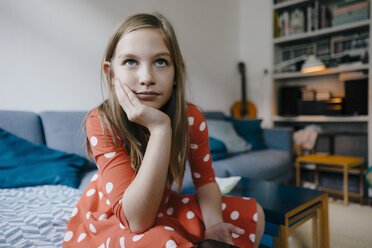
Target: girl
140,138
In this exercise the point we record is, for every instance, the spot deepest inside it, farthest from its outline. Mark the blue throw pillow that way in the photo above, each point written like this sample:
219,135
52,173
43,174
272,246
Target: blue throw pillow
217,148
23,164
250,131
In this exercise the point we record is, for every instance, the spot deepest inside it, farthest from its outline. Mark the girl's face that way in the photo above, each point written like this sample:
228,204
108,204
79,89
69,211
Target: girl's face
143,62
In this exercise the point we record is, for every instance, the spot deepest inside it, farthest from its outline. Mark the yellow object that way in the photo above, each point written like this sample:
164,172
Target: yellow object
334,163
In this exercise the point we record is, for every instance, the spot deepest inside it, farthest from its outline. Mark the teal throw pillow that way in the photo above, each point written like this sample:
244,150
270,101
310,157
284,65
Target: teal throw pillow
250,131
224,131
23,164
217,148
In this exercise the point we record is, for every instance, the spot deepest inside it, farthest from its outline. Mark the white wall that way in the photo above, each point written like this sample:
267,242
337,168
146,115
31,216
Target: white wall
256,51
51,50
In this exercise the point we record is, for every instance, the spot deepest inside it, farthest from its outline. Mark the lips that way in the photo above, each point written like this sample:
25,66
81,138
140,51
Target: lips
147,95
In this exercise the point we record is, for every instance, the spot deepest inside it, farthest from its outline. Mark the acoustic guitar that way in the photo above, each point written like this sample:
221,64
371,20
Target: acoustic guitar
243,109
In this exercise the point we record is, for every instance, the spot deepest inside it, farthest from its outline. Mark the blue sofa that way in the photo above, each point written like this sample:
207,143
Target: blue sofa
64,131
37,215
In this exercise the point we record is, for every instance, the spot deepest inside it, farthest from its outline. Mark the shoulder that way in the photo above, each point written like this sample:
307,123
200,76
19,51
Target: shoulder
196,119
92,117
194,112
94,121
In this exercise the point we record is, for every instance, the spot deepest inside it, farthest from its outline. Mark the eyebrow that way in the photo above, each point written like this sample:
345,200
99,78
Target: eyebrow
129,55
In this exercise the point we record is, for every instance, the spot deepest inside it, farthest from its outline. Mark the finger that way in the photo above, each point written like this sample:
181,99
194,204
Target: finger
132,97
237,230
122,97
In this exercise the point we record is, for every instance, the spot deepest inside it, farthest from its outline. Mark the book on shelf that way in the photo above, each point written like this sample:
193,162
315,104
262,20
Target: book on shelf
322,95
350,11
308,18
307,94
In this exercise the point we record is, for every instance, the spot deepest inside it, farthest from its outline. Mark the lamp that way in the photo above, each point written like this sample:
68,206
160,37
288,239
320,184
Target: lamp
311,64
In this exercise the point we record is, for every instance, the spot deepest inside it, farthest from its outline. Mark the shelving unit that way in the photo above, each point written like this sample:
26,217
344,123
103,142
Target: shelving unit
364,122
323,32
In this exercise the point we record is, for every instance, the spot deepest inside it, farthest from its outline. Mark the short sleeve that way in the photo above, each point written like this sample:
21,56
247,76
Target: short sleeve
199,154
113,163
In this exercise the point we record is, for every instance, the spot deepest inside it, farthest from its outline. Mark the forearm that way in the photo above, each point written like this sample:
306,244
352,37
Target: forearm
209,198
142,198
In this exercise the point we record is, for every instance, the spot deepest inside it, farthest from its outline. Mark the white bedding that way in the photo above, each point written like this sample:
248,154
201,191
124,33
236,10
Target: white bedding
35,216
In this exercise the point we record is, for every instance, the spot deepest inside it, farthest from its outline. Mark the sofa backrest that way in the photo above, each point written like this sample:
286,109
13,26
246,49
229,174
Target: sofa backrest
23,124
64,131
214,115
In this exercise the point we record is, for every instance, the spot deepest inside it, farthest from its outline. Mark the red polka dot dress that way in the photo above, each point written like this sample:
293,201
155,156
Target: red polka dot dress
98,219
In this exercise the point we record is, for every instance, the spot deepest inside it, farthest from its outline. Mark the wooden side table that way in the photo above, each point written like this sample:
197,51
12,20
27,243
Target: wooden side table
286,208
334,163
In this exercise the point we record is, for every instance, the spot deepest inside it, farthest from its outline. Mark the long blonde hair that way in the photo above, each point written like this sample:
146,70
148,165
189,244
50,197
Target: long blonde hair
134,135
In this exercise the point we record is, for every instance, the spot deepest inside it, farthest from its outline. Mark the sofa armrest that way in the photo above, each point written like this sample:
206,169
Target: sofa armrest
279,139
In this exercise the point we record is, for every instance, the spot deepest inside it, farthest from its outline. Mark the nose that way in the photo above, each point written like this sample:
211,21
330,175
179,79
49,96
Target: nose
146,76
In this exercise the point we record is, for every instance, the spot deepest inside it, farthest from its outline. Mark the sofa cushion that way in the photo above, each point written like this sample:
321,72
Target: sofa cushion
217,148
264,164
250,131
24,124
225,132
23,163
64,131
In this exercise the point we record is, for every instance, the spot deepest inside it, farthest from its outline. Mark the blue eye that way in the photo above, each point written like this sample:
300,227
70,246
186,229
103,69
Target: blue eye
130,62
161,62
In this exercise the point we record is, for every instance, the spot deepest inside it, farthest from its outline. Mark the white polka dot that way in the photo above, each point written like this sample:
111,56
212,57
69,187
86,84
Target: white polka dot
110,154
74,212
108,242
102,217
197,175
93,141
137,237
191,121
206,158
160,215
234,215
194,146
92,228
68,236
170,211
109,187
107,202
121,226
190,214
166,200
252,237
81,237
121,240
202,126
247,198
169,228
120,201
255,217
90,192
94,178
171,244
101,246
100,195
235,236
223,206
185,200
88,215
